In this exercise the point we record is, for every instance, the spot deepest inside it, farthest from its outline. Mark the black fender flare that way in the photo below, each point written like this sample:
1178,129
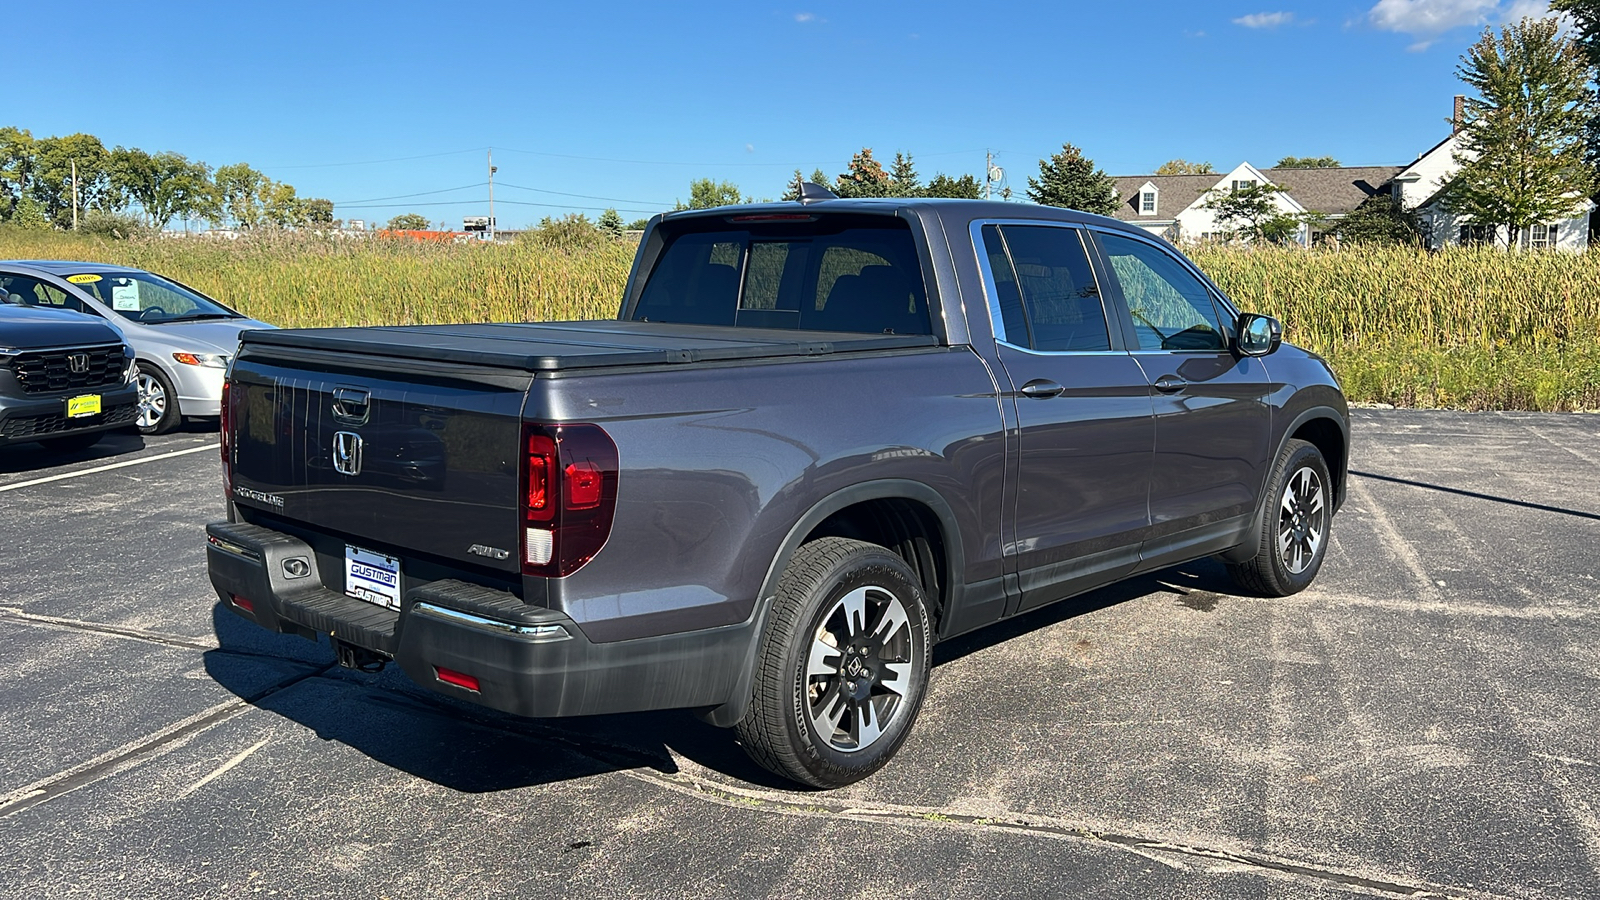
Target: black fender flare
730,712
1247,550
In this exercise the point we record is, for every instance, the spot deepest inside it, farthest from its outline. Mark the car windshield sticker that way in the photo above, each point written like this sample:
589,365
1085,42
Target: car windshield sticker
124,294
83,279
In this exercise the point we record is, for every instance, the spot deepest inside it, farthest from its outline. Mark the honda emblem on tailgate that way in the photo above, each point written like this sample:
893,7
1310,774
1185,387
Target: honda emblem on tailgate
347,453
78,363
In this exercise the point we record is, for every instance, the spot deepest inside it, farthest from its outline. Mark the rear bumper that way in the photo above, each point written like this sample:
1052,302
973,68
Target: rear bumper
527,660
29,419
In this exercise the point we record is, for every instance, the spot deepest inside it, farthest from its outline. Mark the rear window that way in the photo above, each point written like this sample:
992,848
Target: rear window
833,274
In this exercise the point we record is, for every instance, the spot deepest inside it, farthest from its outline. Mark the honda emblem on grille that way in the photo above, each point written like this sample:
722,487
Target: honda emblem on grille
78,363
347,453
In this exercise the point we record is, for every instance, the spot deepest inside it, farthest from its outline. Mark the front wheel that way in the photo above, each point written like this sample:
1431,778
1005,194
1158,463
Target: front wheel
843,665
1293,539
158,402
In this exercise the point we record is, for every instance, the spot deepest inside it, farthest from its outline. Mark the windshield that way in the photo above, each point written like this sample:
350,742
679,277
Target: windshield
148,298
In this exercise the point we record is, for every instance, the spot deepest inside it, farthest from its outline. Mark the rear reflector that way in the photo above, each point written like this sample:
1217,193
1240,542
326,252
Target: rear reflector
242,603
459,679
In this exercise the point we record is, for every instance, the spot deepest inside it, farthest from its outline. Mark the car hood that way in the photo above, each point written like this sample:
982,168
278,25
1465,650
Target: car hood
36,329
220,334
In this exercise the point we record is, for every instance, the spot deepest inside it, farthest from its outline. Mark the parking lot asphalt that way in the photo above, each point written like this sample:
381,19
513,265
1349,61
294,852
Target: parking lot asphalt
1421,722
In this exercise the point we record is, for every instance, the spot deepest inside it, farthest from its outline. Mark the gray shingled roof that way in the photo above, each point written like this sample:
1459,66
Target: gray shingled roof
1328,191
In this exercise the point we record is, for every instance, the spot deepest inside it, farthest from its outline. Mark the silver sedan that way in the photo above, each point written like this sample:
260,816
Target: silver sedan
182,338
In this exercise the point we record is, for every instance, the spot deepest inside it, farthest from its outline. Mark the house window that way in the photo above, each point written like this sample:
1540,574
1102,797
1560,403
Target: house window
1147,203
1476,235
1541,237
1243,183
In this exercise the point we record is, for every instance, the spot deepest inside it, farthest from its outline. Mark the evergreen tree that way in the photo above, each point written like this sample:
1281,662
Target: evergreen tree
611,223
865,178
903,180
966,187
1070,179
793,192
1523,137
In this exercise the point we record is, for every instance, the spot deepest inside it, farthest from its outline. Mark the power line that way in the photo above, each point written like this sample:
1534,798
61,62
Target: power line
374,162
348,206
583,196
404,196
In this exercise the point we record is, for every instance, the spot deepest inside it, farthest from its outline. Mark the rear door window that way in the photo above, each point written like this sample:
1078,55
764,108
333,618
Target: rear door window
1048,296
824,275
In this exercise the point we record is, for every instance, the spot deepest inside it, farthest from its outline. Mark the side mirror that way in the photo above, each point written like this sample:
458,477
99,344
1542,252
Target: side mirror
1258,335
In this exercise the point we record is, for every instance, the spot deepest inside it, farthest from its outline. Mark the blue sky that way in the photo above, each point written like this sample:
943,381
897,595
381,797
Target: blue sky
630,101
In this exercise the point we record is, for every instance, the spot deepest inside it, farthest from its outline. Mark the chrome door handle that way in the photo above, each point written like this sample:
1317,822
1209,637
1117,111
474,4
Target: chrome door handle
1041,389
1170,384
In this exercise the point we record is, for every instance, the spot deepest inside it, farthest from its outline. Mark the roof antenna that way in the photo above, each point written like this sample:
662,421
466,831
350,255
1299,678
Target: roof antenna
811,192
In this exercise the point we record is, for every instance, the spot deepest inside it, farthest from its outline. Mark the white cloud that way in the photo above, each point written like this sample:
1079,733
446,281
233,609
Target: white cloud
804,17
1526,9
749,148
1265,19
1429,17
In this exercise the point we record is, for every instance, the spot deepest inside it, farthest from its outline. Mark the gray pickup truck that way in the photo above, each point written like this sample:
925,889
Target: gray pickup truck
819,438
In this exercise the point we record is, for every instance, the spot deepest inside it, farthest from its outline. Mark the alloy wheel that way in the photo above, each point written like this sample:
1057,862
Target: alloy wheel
152,400
859,668
1302,520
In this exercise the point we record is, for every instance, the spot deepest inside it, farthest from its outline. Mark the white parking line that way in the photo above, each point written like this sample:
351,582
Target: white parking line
120,465
222,769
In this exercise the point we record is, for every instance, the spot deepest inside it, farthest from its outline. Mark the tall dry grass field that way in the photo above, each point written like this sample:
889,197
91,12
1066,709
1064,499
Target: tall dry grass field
1465,328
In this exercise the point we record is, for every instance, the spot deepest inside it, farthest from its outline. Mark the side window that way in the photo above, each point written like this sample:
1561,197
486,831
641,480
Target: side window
1059,293
1172,310
20,290
1012,318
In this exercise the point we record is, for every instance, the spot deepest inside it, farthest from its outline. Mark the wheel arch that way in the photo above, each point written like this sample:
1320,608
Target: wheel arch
873,508
1326,428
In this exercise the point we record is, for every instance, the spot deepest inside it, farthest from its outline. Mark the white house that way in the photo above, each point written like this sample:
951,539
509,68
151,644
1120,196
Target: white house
1174,206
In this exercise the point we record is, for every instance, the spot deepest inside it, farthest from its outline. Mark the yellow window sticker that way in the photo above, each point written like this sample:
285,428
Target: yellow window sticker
83,279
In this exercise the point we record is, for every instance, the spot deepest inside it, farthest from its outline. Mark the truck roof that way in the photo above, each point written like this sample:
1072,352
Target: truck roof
950,210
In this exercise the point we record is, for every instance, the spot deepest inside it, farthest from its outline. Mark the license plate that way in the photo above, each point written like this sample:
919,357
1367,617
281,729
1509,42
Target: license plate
372,577
86,405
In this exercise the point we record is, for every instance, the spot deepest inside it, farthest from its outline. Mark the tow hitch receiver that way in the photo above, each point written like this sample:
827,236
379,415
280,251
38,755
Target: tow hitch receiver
360,658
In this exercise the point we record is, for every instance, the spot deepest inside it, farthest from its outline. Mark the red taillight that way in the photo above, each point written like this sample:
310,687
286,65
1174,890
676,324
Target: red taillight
569,497
459,679
242,603
227,440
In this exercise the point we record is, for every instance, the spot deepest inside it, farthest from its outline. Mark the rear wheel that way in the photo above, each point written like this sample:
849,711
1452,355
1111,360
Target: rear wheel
72,443
158,402
1293,539
843,665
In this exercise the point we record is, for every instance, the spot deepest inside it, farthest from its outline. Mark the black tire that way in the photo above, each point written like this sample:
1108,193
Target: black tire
73,443
158,402
824,583
1293,539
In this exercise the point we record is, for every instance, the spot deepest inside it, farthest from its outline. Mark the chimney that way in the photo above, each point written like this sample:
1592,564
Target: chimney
1461,110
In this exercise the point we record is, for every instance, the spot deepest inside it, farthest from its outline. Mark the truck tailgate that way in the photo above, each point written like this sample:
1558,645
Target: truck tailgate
417,464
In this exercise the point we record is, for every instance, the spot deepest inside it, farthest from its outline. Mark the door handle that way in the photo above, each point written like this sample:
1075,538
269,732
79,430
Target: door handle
351,404
1170,384
1041,389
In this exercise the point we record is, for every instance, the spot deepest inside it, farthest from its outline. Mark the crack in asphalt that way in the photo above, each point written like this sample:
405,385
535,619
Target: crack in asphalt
141,750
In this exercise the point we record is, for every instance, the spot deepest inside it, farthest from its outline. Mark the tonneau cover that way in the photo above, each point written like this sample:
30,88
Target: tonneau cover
553,346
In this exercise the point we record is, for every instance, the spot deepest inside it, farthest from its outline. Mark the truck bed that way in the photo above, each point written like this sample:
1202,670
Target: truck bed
556,346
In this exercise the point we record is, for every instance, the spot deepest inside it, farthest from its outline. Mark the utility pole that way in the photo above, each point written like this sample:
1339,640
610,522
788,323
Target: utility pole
74,195
491,195
988,166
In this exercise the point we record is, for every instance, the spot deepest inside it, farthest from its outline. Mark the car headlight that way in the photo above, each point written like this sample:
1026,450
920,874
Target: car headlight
203,360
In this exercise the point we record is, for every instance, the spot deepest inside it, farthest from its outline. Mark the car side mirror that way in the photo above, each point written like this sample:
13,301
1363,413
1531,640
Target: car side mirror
1258,335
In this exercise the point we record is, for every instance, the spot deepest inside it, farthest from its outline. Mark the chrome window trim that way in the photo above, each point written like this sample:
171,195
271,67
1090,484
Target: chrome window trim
537,633
992,293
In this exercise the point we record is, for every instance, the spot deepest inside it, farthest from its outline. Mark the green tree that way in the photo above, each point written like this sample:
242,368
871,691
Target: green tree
29,214
1308,162
611,223
164,184
16,167
1070,179
318,211
239,195
50,183
864,178
1252,212
572,231
638,224
409,222
705,193
1380,219
1184,167
903,180
281,205
792,192
1522,147
1585,16
966,187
